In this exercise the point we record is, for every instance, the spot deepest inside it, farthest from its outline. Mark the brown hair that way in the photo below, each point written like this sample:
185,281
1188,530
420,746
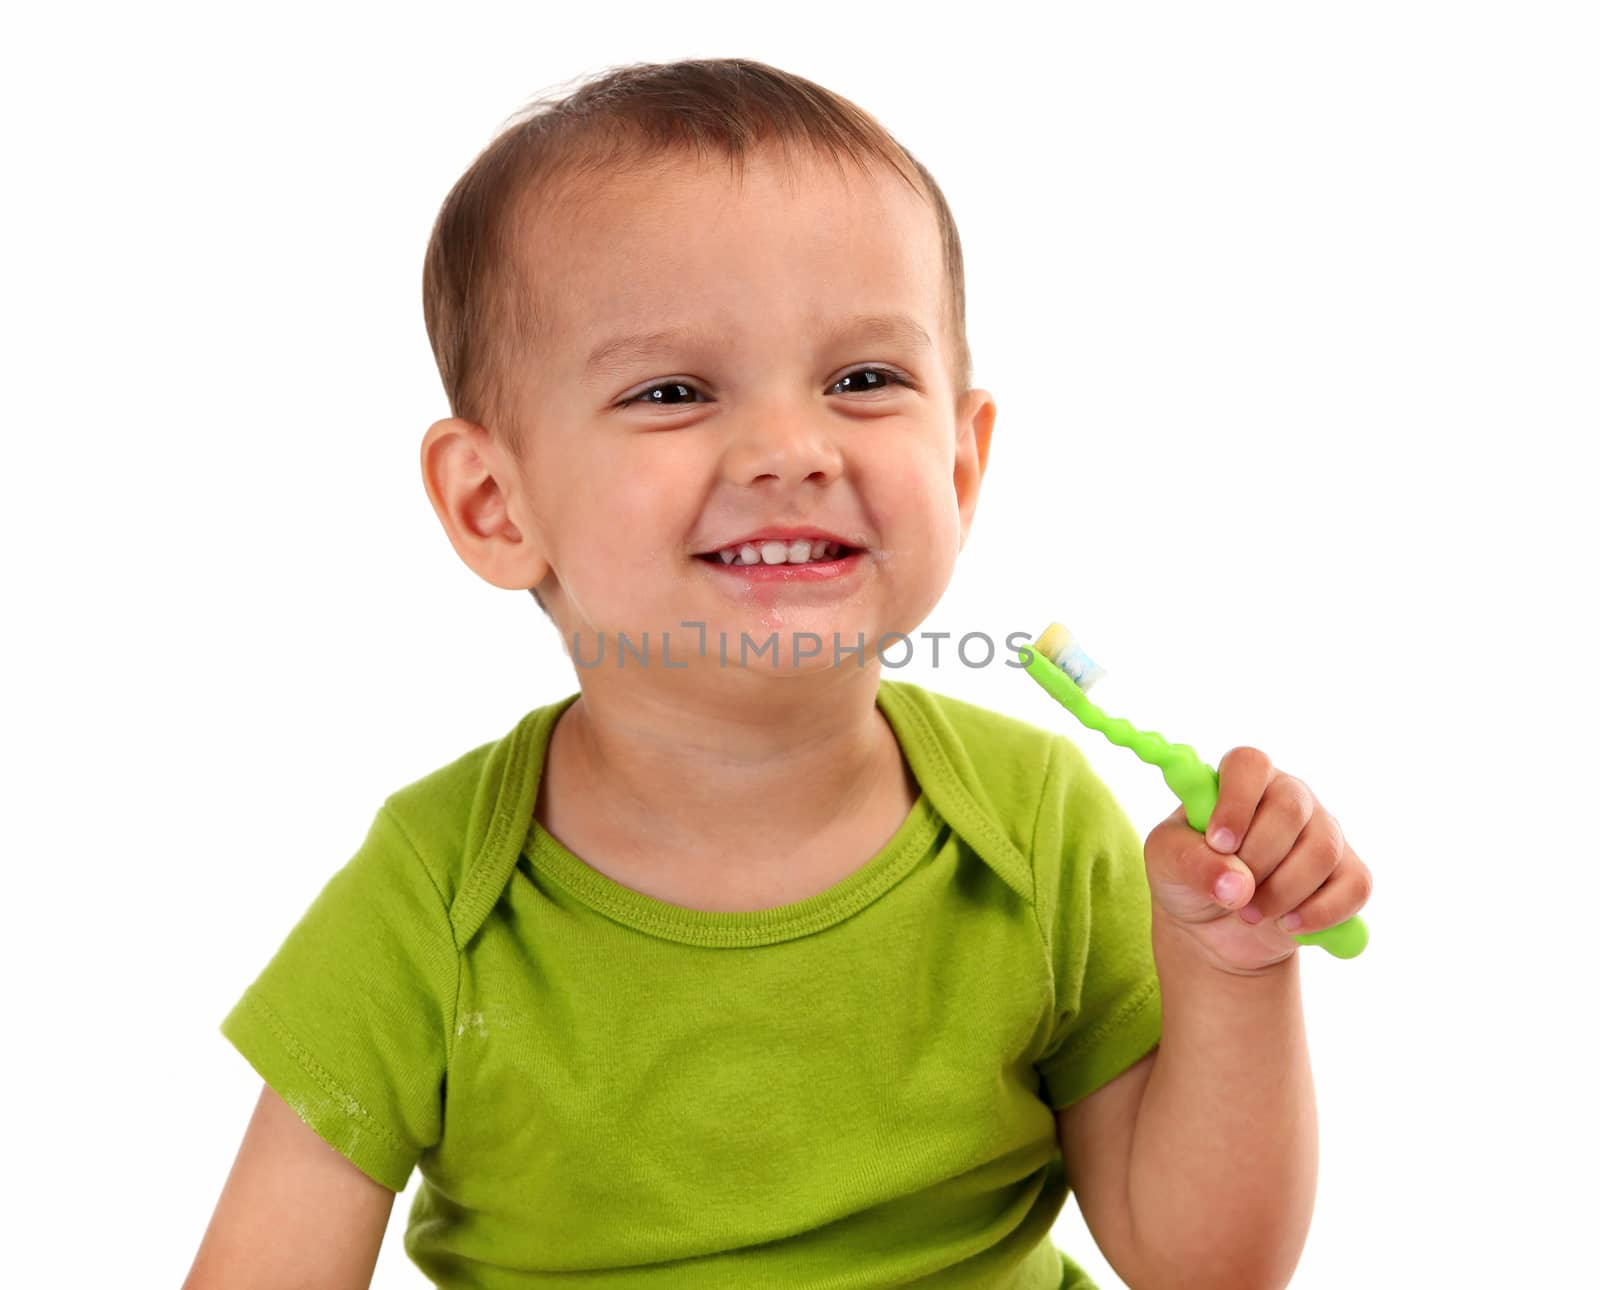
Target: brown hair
478,296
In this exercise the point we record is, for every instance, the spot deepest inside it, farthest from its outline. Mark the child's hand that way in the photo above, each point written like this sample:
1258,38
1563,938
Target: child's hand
1271,838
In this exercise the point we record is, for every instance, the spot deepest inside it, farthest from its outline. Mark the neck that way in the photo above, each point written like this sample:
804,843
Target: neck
697,766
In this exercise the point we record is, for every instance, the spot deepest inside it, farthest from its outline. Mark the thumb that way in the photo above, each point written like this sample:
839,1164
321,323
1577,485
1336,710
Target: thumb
1181,860
1229,881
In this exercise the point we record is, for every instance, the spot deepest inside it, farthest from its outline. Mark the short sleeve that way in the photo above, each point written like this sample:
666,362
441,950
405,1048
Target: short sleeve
350,1020
1093,902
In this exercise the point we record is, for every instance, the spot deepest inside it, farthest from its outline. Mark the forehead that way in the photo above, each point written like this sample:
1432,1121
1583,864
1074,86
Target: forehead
803,244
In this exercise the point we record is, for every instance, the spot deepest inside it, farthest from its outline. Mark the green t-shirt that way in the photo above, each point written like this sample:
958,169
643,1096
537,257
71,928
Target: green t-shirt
606,1090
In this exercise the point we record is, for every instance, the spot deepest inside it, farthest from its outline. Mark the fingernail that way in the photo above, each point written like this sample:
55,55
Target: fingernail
1250,914
1229,888
1290,921
1223,840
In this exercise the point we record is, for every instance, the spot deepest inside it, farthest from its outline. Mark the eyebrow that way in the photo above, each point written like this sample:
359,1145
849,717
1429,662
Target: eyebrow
609,357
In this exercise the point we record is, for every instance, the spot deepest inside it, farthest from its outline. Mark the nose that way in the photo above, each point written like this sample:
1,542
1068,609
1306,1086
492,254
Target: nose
776,448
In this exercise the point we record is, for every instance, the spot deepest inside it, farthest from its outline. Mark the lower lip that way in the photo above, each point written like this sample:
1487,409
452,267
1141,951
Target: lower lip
812,571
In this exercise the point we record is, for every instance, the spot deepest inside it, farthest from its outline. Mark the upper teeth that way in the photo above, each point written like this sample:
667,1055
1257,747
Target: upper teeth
778,552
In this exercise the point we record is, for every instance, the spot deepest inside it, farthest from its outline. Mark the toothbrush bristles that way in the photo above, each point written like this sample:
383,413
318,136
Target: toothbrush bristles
1059,645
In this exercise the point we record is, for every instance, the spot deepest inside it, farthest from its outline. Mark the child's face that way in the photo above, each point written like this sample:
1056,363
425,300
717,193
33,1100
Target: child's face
752,425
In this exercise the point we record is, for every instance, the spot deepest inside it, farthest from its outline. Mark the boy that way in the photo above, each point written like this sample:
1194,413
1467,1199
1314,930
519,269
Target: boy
738,968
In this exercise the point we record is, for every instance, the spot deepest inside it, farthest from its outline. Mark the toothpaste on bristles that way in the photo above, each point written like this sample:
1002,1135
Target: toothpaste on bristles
1061,647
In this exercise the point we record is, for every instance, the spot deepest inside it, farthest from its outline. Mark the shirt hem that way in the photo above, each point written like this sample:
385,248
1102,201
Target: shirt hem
337,1116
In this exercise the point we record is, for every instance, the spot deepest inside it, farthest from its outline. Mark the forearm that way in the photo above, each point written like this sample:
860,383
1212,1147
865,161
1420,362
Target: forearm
1223,1162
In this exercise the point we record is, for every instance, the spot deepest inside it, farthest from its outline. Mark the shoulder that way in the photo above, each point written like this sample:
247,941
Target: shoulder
468,819
974,724
1008,760
993,775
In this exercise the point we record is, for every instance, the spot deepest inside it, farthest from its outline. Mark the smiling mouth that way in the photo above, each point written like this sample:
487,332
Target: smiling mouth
775,552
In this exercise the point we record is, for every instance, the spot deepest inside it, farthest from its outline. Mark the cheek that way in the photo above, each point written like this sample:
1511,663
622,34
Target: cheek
922,504
945,532
613,509
621,535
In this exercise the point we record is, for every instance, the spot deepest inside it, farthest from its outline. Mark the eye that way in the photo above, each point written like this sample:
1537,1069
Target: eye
649,394
878,373
658,396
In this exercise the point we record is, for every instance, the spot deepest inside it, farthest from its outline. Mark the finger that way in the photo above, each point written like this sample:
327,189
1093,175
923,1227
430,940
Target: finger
1339,898
1286,808
1223,879
1310,862
1179,854
1242,776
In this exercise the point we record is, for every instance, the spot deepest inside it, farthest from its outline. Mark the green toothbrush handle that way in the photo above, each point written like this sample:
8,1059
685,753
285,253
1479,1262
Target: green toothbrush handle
1194,782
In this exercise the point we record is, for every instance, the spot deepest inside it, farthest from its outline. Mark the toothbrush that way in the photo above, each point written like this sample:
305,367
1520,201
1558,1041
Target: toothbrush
1057,662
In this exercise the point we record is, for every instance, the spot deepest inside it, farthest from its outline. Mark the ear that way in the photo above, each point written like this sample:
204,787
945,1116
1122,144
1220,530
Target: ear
472,483
975,411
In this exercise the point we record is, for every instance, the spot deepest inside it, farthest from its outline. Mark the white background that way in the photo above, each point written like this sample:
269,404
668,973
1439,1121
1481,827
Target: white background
1290,313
